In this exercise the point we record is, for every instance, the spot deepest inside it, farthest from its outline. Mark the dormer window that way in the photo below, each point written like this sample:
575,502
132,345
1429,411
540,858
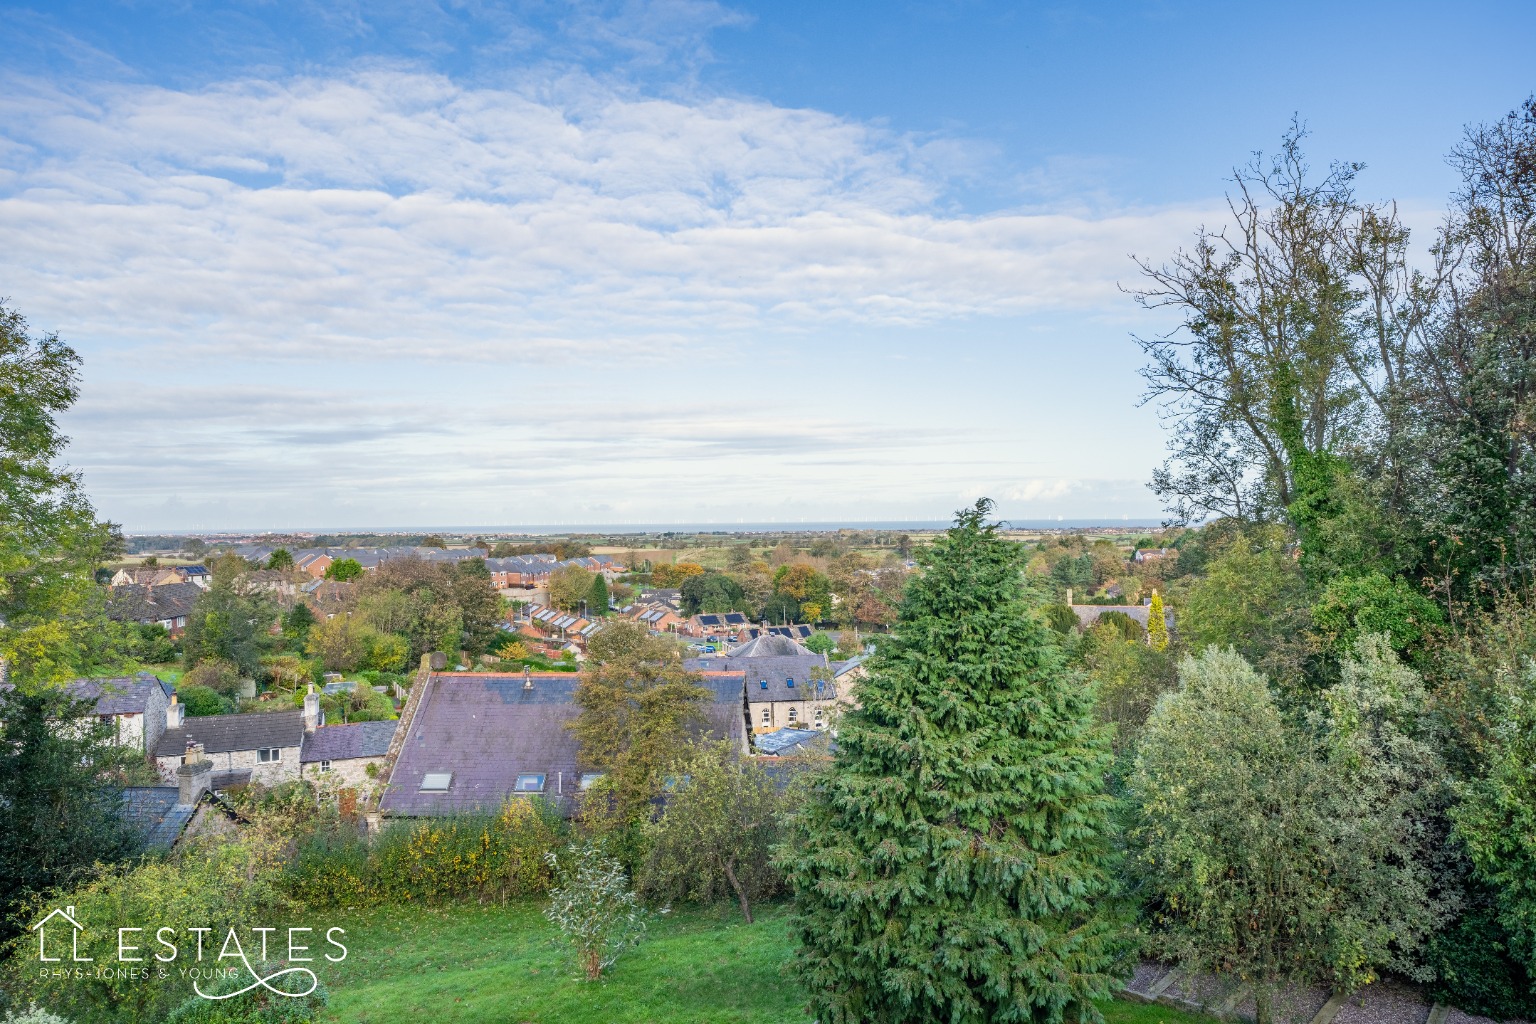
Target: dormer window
530,783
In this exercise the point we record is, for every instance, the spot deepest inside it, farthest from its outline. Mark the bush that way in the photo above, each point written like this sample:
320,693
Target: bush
1474,971
216,888
257,1006
215,674
595,908
485,857
200,701
33,1014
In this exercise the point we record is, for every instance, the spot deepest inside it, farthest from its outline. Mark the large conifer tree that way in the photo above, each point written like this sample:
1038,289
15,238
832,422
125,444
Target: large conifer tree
952,864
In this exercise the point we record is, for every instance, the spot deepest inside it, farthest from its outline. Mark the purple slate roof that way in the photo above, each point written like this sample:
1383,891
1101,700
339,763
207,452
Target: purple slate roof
122,696
487,729
342,742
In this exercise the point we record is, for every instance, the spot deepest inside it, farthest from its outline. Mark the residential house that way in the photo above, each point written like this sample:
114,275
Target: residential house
659,618
167,604
341,755
475,740
134,706
261,746
314,563
1152,554
795,632
785,684
1088,614
714,625
144,576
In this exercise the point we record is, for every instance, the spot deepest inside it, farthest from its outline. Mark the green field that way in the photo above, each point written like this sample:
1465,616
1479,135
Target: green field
474,965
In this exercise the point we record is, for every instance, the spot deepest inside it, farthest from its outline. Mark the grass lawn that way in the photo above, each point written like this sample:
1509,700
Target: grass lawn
474,965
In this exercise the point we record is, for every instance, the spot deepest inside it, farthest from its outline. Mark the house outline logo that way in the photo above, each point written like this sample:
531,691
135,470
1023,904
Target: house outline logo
68,914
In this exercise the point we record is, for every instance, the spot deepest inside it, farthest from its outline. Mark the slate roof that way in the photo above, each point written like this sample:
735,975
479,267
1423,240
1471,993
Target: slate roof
127,695
343,742
226,733
1088,614
153,810
487,729
777,672
134,603
771,645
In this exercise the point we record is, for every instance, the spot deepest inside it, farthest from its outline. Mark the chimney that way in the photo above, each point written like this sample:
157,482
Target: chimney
194,777
1069,596
527,678
175,713
313,716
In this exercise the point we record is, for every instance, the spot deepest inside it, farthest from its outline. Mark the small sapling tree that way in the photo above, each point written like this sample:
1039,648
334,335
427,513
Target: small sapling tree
594,907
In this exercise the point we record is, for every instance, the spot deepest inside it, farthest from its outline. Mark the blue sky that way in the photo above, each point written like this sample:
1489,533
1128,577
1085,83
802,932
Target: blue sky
414,263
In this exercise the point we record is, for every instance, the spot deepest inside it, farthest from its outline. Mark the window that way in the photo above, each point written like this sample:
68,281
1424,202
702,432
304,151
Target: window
818,716
589,779
789,683
767,716
325,766
436,782
529,784
791,716
266,755
762,684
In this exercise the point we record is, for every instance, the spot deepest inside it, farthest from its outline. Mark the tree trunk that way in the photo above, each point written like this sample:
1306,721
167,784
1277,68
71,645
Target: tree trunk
729,864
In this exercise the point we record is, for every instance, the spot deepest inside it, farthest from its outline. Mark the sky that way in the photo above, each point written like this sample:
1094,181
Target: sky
416,263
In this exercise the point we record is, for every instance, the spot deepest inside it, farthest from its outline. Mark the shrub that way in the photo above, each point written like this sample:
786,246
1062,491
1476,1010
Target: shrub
214,674
216,888
1474,971
485,857
595,908
258,1006
33,1014
200,700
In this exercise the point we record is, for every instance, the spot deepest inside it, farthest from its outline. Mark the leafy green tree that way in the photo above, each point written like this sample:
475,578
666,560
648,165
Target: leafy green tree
343,570
52,617
820,643
569,585
1253,598
60,790
151,644
228,626
280,559
710,592
478,604
953,862
1128,675
1496,817
627,641
341,642
634,721
1279,852
716,838
387,652
1060,618
1352,606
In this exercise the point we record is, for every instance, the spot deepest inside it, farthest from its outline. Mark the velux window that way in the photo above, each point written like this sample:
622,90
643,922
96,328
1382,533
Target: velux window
530,783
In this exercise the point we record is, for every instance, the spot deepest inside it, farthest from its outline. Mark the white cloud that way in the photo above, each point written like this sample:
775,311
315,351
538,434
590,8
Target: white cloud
395,213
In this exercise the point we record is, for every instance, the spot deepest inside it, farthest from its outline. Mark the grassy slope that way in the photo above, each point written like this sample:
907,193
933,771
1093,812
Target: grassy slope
472,965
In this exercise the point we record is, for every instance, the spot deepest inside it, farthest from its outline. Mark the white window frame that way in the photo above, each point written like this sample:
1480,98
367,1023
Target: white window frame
767,716
325,766
793,713
518,787
269,755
